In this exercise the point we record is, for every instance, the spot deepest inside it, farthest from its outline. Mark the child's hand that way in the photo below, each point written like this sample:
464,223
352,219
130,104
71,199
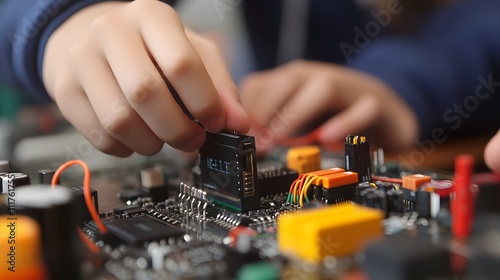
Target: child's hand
288,99
102,67
492,152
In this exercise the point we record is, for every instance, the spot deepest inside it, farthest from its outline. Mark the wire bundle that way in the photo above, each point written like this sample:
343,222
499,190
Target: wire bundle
300,187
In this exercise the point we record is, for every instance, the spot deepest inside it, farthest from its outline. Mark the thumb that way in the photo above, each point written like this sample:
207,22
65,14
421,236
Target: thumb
236,118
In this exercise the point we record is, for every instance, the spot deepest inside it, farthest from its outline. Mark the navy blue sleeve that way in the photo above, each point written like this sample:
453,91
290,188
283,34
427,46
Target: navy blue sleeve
25,27
449,72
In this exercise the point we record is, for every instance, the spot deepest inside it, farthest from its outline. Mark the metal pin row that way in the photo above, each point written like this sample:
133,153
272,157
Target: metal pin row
192,201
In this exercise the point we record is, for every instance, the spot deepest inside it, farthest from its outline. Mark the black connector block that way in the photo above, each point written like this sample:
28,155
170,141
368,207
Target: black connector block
229,171
357,157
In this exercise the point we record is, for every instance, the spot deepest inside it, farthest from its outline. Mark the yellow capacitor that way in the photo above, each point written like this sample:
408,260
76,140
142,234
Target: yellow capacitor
304,159
339,230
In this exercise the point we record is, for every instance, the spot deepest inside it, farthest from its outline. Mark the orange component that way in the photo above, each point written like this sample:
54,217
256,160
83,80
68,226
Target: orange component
304,159
339,179
415,181
321,173
327,171
21,249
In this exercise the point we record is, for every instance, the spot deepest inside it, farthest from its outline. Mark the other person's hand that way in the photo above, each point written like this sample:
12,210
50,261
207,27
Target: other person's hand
288,99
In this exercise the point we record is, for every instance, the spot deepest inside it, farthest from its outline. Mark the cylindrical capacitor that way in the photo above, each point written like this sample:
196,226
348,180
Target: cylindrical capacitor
53,209
384,186
364,196
378,200
462,200
359,189
375,199
395,201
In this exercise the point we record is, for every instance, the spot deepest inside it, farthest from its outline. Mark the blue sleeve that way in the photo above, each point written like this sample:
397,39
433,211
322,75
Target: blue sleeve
26,26
448,72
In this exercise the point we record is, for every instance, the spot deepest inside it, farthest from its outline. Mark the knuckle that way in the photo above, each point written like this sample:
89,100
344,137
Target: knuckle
144,90
116,123
105,144
182,65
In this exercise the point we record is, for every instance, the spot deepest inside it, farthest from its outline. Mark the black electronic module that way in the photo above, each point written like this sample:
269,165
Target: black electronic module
229,171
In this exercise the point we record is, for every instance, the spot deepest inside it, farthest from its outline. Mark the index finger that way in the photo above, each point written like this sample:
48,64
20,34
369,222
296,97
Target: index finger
183,67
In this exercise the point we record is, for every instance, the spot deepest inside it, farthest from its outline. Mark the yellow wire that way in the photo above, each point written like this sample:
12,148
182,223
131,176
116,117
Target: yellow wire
306,179
295,190
306,188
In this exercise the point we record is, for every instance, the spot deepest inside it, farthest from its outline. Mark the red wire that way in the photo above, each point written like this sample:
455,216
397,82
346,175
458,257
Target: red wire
310,138
387,179
92,247
307,139
86,190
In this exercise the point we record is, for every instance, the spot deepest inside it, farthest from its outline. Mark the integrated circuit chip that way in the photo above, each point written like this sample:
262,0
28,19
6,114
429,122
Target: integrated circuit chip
137,230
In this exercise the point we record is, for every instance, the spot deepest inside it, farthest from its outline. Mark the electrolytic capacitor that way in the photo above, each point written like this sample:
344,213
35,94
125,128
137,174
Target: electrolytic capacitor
395,201
54,210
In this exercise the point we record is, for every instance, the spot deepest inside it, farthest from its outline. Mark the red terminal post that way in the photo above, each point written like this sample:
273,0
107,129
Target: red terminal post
462,202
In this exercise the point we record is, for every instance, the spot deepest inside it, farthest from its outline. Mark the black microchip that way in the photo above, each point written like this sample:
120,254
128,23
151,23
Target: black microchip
229,171
137,230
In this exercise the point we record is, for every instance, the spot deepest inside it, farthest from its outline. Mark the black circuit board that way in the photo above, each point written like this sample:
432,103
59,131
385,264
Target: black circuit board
191,227
188,237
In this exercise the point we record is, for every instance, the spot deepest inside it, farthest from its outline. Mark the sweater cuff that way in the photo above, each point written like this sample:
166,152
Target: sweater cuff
31,38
